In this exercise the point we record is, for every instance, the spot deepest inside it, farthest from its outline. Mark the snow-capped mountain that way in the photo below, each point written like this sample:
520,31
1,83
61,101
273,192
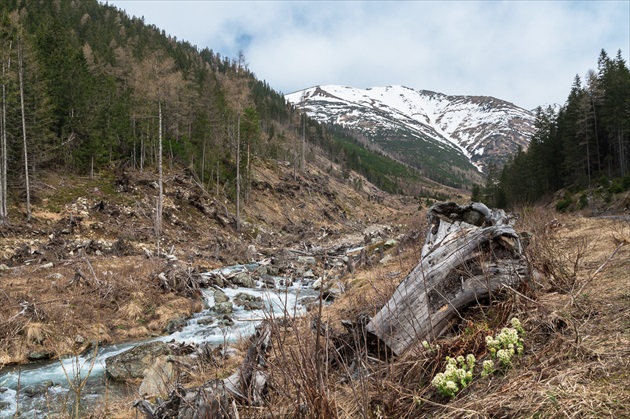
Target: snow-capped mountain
425,129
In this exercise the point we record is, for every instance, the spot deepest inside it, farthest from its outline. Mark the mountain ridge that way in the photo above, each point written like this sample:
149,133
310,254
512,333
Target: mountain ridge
482,129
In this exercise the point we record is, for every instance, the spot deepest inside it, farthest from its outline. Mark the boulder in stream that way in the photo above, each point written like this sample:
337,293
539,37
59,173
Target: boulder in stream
38,389
176,324
225,321
220,297
248,301
205,321
133,363
244,280
223,308
40,356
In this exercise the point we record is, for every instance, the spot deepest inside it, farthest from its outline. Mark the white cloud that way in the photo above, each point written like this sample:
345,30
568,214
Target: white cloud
523,52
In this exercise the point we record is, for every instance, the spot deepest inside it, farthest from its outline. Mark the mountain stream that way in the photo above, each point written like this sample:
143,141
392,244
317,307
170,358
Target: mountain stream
41,389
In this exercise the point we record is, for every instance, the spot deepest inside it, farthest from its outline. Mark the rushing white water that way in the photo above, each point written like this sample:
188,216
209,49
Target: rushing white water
41,382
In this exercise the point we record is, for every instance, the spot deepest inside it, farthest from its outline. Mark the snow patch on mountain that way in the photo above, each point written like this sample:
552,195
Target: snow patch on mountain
482,128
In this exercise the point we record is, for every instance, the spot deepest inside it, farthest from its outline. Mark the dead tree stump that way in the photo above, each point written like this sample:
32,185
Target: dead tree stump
470,252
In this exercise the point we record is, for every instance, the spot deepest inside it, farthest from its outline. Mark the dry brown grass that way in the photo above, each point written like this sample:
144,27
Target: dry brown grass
578,337
577,343
62,314
576,310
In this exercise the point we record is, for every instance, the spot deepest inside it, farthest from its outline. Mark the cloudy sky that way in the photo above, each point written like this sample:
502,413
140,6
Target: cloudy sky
525,52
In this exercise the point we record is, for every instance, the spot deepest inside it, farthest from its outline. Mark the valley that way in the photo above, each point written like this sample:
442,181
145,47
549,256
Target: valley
178,237
72,279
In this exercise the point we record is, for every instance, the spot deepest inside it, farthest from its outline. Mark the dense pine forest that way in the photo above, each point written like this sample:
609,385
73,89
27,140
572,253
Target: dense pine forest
583,144
85,88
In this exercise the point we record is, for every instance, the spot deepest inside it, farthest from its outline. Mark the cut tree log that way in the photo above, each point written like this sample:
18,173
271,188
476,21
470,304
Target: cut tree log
470,252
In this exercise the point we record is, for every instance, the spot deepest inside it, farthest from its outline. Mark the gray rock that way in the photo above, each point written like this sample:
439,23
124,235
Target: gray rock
268,281
40,356
132,363
307,260
253,305
205,321
158,377
219,281
226,321
244,280
216,280
220,297
223,308
176,324
248,301
37,390
243,296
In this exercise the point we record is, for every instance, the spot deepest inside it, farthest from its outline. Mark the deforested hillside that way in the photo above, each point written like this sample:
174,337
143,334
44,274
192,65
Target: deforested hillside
86,87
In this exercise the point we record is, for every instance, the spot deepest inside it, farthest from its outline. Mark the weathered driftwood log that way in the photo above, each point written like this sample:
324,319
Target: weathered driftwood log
216,398
470,251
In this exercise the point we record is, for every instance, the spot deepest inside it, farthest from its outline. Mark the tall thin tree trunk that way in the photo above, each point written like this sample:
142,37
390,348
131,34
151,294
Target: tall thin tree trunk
158,215
295,155
303,161
142,147
622,151
203,161
26,178
133,153
3,146
238,173
599,160
3,150
588,153
247,177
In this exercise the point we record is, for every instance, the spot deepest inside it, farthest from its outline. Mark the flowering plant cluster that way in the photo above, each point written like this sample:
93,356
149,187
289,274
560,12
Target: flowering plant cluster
456,376
459,371
504,346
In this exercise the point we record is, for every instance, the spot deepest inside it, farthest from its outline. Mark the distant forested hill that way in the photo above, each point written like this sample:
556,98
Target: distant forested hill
584,143
84,87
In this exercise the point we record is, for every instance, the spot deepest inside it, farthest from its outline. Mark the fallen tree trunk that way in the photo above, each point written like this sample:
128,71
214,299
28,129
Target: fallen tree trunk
216,398
470,252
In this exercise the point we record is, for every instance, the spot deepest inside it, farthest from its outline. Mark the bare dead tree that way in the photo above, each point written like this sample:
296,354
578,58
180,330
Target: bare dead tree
3,137
25,145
